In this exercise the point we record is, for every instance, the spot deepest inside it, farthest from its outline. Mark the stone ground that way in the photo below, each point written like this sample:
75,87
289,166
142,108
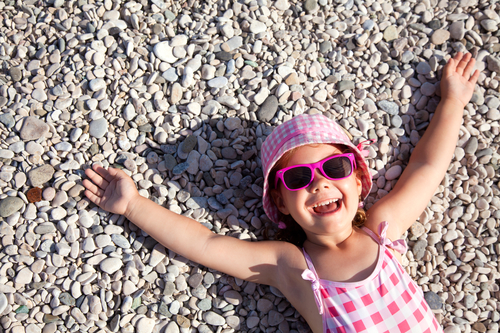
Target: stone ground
181,95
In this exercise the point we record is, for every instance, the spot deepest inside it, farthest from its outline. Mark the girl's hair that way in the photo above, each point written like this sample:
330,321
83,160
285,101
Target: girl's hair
293,233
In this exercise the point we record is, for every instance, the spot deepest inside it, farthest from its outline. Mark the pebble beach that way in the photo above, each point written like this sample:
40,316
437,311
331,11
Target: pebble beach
181,95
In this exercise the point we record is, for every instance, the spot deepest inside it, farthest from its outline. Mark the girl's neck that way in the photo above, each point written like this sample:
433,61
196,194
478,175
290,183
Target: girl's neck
330,242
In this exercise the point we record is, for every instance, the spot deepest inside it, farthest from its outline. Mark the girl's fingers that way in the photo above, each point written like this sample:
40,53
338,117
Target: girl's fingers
103,172
469,67
474,77
463,63
93,188
97,178
92,197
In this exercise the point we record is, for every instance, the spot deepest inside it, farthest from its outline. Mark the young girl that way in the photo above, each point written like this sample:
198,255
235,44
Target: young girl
347,276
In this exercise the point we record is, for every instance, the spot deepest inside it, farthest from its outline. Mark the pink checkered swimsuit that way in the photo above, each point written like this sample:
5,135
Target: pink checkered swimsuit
387,301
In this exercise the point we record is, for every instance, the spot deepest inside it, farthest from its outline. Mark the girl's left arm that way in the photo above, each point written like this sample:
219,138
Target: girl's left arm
432,155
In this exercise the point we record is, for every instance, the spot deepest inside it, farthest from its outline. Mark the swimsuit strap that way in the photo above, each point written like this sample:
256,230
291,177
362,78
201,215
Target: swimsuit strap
311,275
398,245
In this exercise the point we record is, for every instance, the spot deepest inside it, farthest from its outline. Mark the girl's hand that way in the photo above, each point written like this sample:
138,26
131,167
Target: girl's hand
456,82
111,189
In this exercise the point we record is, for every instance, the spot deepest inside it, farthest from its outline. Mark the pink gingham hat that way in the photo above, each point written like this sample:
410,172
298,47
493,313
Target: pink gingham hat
303,130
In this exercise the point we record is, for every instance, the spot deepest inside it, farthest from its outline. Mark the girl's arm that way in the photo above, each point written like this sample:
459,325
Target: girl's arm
432,155
114,191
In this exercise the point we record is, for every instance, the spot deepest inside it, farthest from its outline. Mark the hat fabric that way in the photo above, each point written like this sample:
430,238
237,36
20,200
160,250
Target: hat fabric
299,131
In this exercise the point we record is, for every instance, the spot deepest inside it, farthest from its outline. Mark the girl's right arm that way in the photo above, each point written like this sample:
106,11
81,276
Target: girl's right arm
114,191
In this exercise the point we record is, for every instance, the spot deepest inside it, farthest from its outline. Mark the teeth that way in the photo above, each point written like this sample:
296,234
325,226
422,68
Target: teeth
326,203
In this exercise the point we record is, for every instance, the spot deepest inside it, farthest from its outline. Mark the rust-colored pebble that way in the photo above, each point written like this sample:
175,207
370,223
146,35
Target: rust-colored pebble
34,195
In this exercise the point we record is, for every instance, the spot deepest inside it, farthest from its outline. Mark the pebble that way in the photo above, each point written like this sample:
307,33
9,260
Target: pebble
98,128
41,175
268,109
433,300
110,265
3,302
213,318
10,205
163,51
33,128
145,325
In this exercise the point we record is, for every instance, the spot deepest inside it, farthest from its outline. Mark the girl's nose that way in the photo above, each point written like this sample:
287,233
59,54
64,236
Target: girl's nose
319,181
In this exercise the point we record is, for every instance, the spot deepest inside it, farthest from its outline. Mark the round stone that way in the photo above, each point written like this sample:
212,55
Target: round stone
433,300
145,325
97,84
110,265
10,205
98,128
213,318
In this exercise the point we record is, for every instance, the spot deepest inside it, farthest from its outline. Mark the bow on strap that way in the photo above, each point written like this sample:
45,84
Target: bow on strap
398,245
310,276
362,145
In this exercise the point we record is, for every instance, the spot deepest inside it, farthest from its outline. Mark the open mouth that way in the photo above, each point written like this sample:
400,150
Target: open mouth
327,207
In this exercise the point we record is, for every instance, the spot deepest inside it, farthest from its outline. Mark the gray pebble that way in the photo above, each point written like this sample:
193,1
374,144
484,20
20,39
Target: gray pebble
389,107
268,109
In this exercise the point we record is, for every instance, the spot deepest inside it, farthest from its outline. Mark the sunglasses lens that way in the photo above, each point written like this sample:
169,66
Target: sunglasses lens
338,167
298,177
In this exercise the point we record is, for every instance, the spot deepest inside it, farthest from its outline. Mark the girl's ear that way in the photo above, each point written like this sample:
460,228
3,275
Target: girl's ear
359,185
279,202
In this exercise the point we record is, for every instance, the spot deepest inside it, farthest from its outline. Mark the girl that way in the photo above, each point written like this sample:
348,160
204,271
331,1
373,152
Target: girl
347,276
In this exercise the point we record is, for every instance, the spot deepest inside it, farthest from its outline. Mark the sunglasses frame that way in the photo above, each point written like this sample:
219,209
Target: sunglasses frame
313,167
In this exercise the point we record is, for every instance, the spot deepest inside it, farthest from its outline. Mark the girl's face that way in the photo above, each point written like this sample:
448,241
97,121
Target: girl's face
325,206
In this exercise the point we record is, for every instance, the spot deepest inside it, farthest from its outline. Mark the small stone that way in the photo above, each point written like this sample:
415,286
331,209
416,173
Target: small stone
423,68
41,175
213,318
145,325
157,255
34,194
391,33
440,36
33,128
311,5
97,84
457,30
98,128
493,64
110,265
427,89
471,146
3,302
217,82
7,119
389,107
24,276
163,51
176,93
233,297
170,75
16,74
232,123
268,109
257,27
489,25
67,299
189,143
394,172
433,300
345,85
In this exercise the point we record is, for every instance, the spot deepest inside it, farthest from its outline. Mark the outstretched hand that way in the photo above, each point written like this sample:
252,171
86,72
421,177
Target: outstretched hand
457,83
112,190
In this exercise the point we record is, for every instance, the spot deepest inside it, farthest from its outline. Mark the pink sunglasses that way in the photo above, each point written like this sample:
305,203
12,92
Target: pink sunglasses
298,177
